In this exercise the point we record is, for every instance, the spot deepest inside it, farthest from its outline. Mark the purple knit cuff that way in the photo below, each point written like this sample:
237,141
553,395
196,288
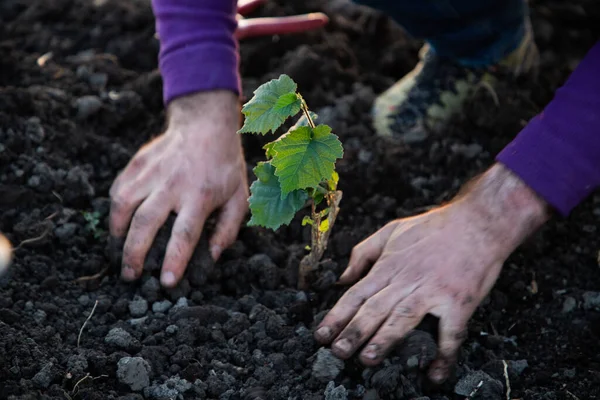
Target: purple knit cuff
199,68
198,49
549,166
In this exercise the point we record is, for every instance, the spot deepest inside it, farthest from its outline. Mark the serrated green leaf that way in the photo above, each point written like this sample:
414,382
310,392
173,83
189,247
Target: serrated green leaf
269,150
272,104
305,156
269,208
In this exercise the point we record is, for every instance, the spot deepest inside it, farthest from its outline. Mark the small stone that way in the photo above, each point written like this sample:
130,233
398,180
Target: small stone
134,372
517,367
44,378
87,106
181,303
173,388
84,300
150,289
39,316
138,307
333,392
591,300
487,387
386,380
138,321
569,305
122,339
98,80
161,306
371,394
172,329
66,231
326,366
570,373
77,364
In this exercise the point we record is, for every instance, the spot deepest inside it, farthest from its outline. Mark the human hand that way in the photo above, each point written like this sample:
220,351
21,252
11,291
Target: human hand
443,262
274,26
194,168
5,254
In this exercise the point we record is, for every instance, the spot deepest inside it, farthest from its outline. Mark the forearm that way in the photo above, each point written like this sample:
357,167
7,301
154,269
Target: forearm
558,153
198,50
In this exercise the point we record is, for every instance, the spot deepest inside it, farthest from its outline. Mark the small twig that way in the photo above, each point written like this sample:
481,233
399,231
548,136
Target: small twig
508,390
304,107
85,323
67,395
33,240
490,89
475,390
58,196
74,391
87,376
92,277
572,395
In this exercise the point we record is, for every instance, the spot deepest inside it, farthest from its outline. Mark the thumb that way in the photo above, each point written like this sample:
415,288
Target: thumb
5,254
365,253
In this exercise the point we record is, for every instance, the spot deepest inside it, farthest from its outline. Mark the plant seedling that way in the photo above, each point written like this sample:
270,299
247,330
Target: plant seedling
299,169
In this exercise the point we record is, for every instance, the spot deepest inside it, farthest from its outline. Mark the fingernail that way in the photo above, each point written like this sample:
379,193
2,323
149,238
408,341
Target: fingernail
324,333
215,251
371,352
167,278
128,273
343,345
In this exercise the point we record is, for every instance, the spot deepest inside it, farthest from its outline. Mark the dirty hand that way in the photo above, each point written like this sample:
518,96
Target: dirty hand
5,254
274,26
194,168
443,262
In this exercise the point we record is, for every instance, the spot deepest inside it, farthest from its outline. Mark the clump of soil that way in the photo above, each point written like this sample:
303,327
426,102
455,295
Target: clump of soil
79,93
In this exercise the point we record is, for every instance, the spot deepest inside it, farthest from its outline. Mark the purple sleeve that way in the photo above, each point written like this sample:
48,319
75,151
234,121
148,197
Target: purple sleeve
558,153
198,50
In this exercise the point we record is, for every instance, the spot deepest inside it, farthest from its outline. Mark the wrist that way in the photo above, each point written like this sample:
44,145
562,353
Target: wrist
510,210
217,107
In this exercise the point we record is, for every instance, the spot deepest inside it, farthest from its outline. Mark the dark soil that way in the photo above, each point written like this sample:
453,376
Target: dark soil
70,121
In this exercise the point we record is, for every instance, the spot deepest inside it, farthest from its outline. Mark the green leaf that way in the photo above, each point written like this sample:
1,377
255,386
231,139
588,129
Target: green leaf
269,207
272,104
333,181
269,150
307,220
305,156
324,226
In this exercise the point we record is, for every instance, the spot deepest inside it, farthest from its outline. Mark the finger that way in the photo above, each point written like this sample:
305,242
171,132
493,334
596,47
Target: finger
403,318
452,333
279,25
124,201
184,237
228,225
365,253
146,222
247,6
5,254
366,322
348,306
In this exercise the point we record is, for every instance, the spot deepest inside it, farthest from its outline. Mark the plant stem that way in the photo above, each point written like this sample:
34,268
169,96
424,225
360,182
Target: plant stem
319,240
304,107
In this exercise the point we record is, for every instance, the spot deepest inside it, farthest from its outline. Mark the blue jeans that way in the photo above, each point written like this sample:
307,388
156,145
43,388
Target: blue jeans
472,32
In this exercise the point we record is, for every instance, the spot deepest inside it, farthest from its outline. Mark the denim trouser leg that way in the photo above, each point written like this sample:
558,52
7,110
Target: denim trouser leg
472,32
